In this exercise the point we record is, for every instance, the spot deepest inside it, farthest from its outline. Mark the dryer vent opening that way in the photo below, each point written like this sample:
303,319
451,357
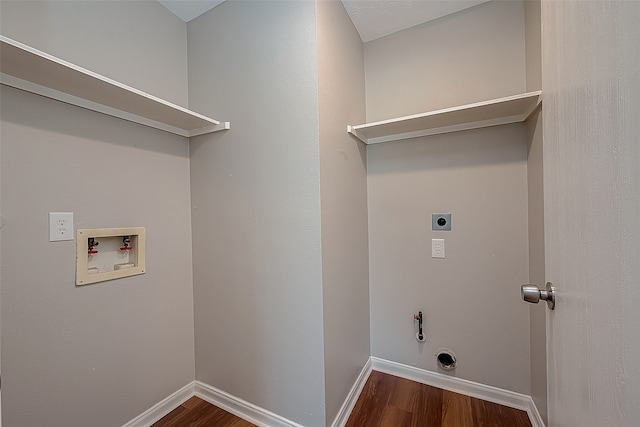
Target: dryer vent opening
446,359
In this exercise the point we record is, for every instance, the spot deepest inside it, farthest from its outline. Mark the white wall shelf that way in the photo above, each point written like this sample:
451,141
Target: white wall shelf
31,70
501,111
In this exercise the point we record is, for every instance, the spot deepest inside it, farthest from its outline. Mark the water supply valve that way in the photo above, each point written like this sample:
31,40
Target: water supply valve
92,243
126,243
418,319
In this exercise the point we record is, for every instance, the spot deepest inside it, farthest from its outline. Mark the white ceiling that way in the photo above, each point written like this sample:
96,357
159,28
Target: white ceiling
372,18
378,18
189,9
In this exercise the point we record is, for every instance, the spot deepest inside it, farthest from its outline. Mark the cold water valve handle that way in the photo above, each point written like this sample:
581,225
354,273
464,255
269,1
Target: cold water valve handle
419,335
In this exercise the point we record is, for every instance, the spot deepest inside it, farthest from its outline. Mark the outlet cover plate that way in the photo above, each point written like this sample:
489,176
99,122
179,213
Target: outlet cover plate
438,218
60,226
437,248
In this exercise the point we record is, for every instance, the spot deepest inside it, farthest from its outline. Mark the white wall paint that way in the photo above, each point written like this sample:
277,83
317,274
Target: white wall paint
139,43
591,89
470,300
473,55
97,355
343,185
256,206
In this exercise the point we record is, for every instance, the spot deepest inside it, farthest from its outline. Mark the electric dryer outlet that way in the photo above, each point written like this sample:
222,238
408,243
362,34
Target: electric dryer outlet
441,222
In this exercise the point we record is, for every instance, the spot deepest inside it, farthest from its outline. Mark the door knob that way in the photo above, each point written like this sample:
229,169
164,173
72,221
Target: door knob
531,293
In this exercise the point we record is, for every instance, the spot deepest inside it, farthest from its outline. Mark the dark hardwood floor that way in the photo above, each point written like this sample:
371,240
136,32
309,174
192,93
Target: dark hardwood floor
389,401
195,412
385,401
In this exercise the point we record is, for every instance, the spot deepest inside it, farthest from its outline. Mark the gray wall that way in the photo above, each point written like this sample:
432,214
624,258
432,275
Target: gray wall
257,256
343,185
138,43
533,44
537,316
473,55
470,299
101,354
278,204
1,227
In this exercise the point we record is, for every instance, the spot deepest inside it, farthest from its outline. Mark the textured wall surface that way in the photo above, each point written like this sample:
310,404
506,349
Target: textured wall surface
591,89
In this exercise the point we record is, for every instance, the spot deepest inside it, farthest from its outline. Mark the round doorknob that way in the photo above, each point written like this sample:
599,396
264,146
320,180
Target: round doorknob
531,293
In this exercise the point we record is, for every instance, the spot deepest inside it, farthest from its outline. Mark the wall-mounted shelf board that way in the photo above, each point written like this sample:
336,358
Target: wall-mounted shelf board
501,111
31,70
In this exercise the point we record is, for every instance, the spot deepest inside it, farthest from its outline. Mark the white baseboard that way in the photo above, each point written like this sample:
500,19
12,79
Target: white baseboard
162,408
459,385
264,418
534,415
241,408
345,411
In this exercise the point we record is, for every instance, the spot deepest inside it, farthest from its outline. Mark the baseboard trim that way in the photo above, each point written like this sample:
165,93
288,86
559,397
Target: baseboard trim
459,385
345,411
241,408
534,414
264,418
162,408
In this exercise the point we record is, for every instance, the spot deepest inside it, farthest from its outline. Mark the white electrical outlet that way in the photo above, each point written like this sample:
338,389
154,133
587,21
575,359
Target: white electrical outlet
60,226
437,248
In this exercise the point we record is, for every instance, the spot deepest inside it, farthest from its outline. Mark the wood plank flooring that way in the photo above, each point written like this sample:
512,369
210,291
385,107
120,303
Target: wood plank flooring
195,412
385,401
389,401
